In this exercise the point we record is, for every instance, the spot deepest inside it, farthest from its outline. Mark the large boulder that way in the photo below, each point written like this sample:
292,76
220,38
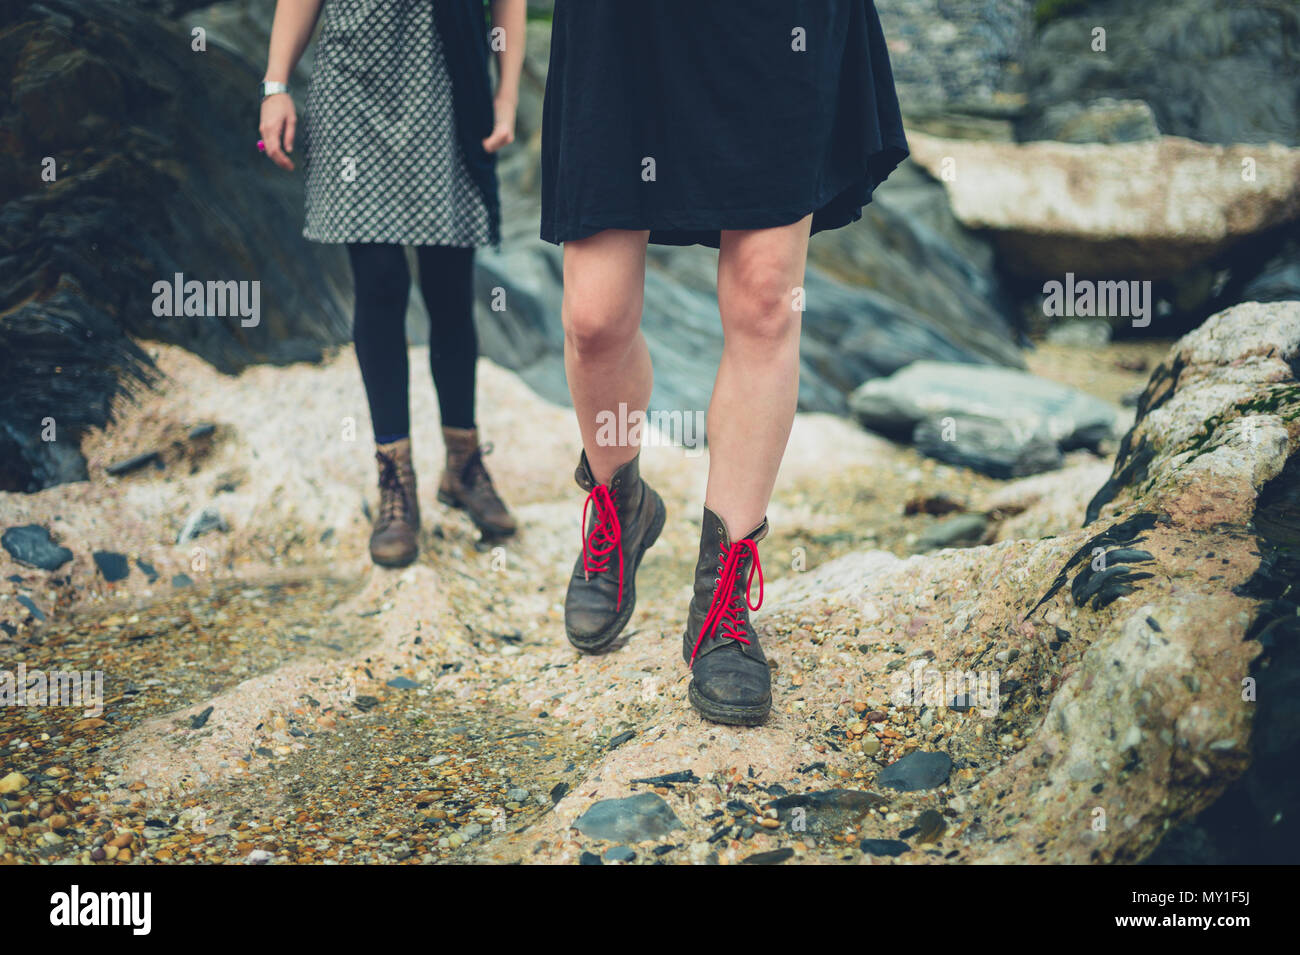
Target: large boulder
1001,421
1132,652
1147,210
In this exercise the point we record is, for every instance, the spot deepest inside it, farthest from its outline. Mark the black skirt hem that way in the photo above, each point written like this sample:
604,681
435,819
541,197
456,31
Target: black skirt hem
840,205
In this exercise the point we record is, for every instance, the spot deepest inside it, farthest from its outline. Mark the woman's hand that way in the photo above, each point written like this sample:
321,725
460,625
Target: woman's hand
279,121
503,129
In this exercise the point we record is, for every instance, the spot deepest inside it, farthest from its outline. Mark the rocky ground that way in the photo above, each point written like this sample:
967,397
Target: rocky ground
269,696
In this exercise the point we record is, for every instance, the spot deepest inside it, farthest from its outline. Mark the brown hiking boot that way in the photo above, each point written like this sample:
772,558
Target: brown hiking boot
393,540
731,682
626,519
466,483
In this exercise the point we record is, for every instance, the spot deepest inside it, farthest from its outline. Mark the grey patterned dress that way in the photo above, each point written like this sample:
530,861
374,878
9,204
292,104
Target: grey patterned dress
382,160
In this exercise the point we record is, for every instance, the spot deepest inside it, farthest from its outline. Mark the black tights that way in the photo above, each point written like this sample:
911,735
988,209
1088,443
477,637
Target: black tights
383,285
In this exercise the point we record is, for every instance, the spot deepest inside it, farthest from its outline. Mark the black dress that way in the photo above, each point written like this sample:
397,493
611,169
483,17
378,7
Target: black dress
686,117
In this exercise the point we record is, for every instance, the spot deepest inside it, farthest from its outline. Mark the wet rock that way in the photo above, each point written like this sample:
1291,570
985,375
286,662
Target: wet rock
619,854
30,544
916,771
632,819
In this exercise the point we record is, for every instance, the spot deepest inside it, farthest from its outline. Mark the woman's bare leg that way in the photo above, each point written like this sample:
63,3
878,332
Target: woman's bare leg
757,388
608,365
605,355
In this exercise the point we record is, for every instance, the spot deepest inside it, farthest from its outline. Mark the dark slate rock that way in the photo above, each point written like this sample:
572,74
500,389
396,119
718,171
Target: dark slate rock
135,463
633,819
826,811
775,857
30,544
916,771
201,522
147,569
182,580
402,683
36,611
619,854
112,565
930,826
669,779
884,847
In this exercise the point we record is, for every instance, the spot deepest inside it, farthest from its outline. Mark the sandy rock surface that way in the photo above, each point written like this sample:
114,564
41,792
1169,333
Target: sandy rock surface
1083,684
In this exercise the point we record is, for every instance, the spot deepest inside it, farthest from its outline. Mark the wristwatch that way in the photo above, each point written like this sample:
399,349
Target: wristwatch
271,87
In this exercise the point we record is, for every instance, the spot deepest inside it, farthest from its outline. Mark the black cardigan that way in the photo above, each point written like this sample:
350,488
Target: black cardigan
462,25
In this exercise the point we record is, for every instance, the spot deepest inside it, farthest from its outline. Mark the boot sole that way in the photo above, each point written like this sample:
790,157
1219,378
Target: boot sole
728,713
487,529
606,638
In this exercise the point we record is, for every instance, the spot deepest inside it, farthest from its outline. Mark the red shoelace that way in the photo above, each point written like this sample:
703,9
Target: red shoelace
606,536
723,618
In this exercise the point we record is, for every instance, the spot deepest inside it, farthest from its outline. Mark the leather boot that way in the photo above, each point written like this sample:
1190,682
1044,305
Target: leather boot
393,540
626,518
731,682
466,483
